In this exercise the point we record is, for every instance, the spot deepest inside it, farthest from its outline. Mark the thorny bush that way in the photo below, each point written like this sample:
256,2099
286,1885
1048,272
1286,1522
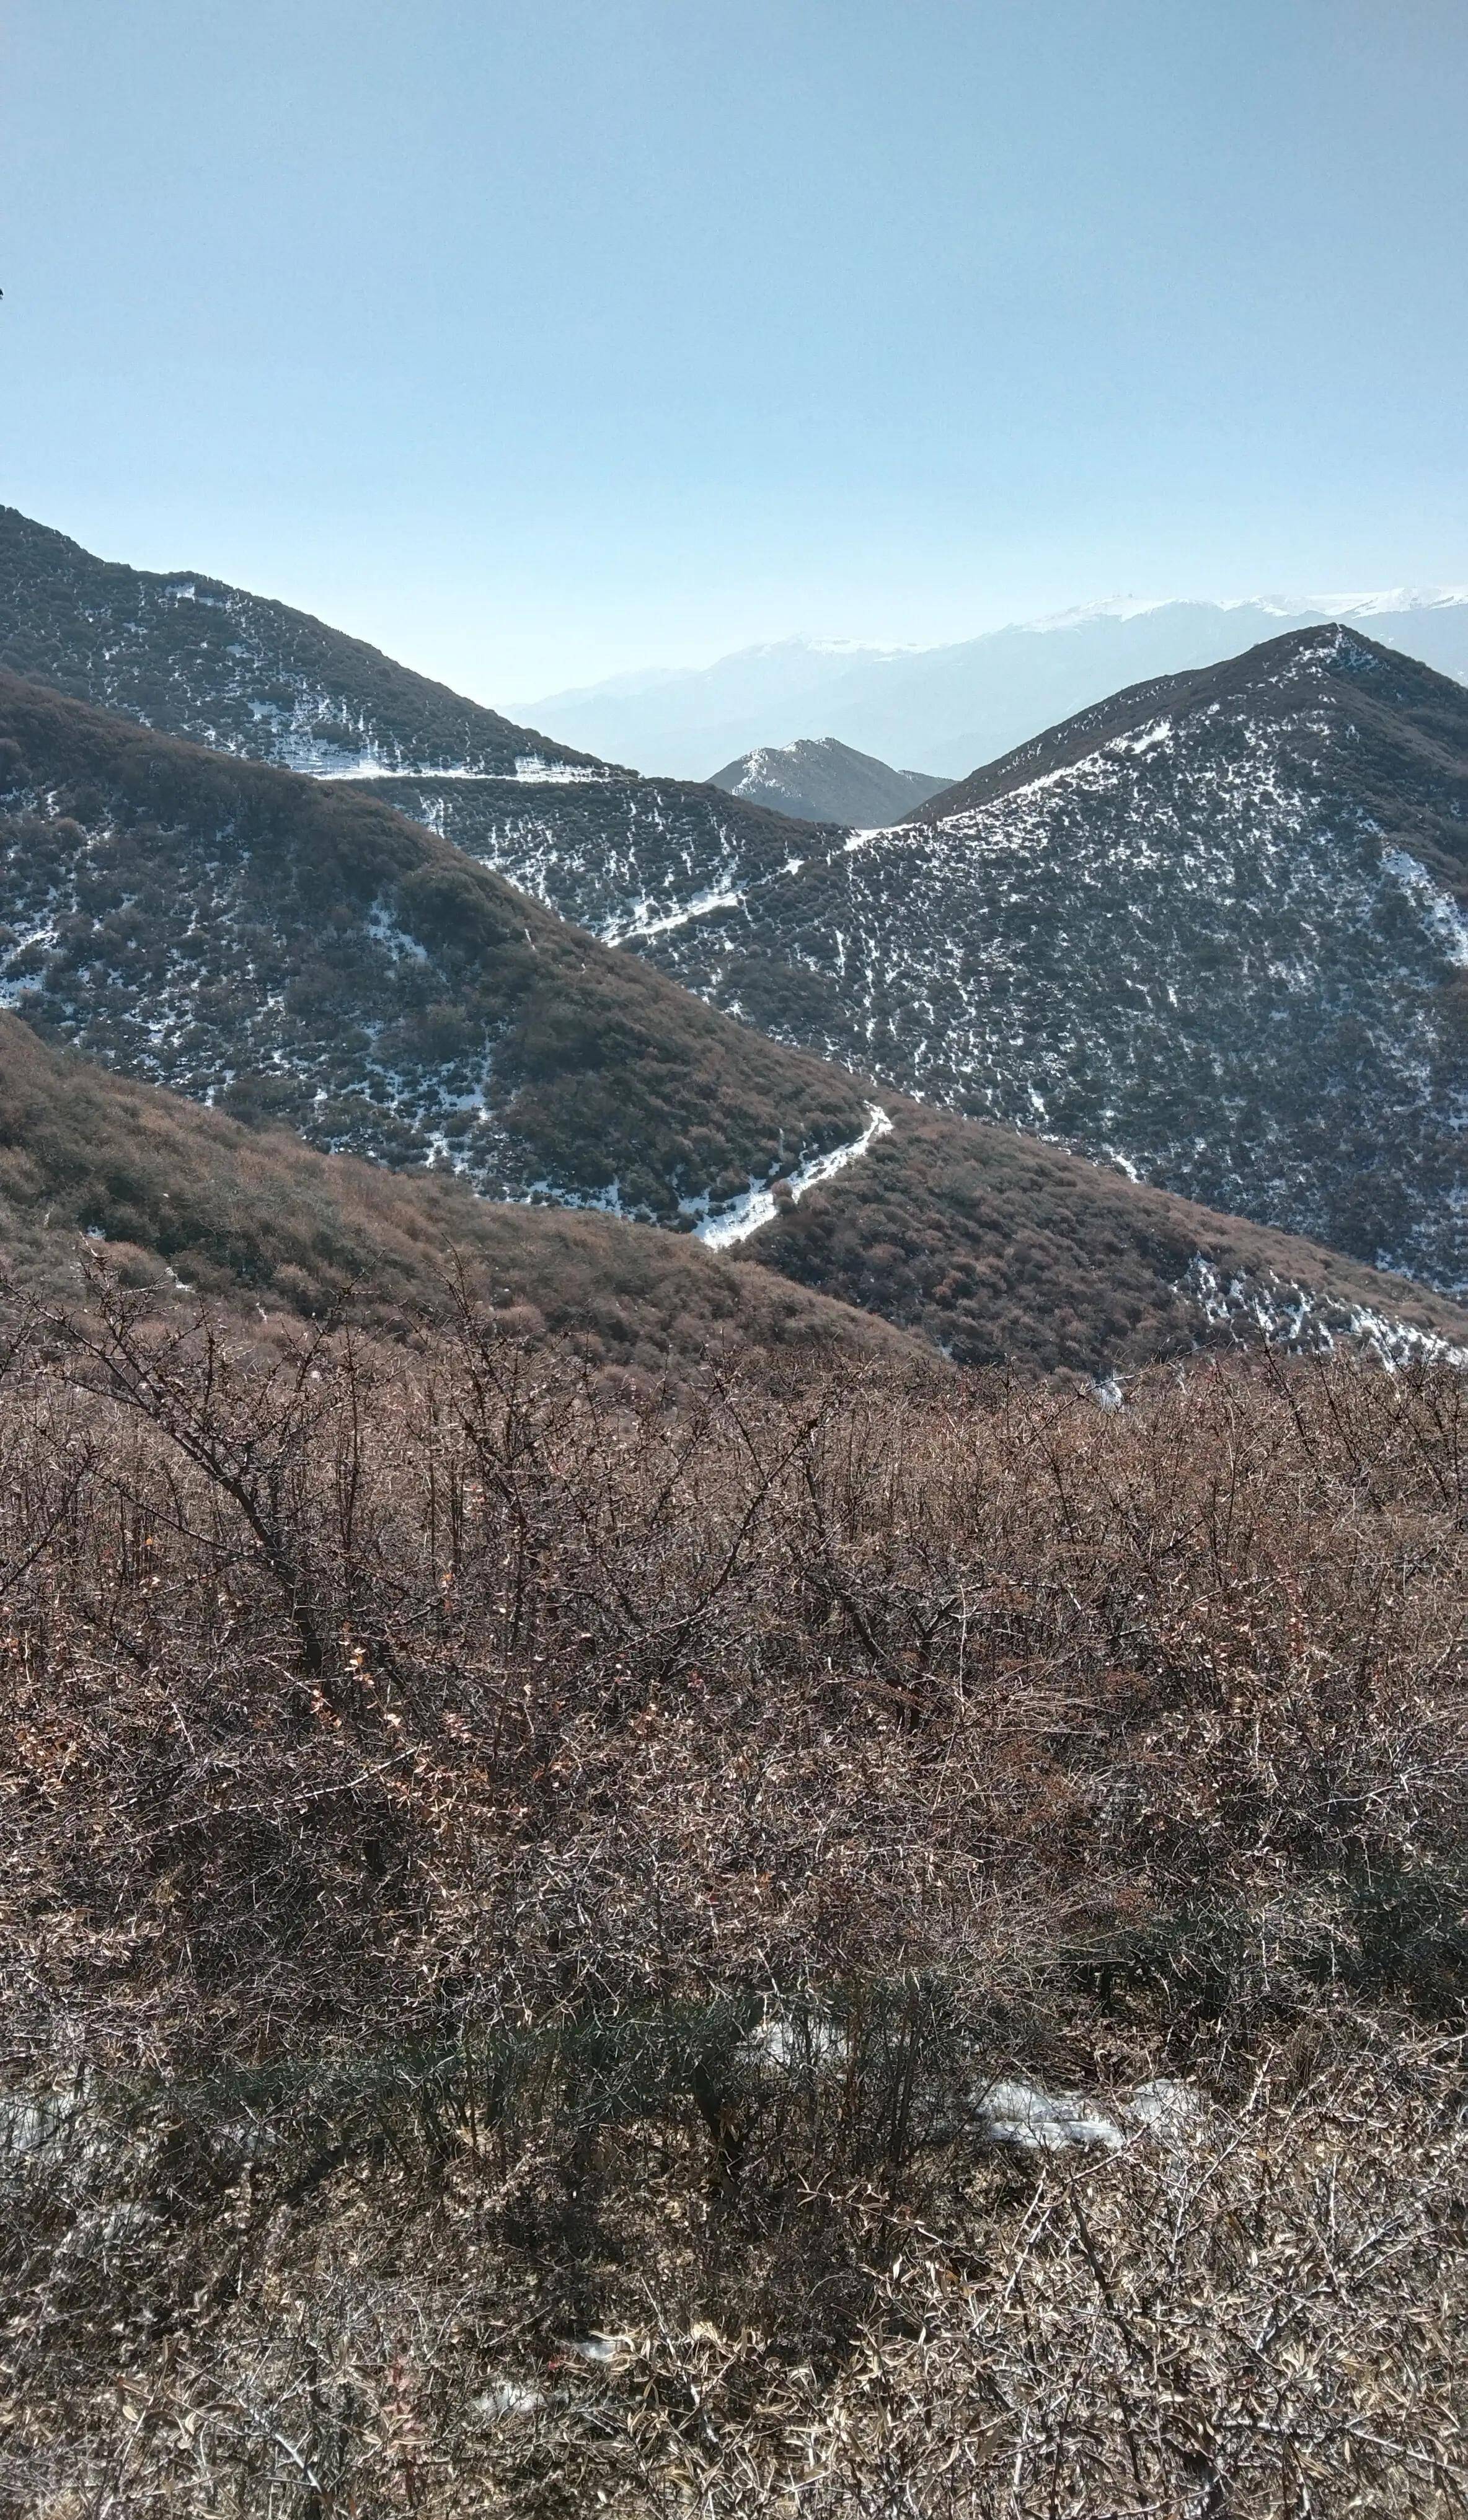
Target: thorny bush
522,1898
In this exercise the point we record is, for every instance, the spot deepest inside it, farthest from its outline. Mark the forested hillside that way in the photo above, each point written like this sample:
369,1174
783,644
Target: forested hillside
293,951
1215,929
186,1205
187,655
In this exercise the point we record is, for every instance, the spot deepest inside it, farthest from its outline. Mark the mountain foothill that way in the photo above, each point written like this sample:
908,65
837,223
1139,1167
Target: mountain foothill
731,1779
400,968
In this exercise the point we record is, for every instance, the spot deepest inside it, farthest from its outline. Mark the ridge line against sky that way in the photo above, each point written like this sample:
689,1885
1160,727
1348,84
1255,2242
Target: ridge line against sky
532,343
1364,603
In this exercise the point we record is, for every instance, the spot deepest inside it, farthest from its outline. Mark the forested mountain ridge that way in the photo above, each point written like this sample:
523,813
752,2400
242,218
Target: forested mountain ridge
190,655
1215,929
296,951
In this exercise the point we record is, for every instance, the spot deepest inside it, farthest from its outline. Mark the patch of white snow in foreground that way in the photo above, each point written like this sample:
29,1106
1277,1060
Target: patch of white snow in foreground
757,1205
1035,2120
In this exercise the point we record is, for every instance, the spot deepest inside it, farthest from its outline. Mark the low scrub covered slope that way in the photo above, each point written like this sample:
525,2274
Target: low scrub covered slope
165,1194
296,952
893,1949
1216,927
190,655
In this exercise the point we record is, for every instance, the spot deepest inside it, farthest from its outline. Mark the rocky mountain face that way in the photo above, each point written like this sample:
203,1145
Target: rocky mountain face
966,701
293,950
821,780
187,655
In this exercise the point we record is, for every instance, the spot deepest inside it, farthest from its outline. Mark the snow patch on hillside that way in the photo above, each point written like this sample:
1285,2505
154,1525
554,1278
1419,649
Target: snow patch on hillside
1443,916
649,922
1288,1315
533,772
758,1204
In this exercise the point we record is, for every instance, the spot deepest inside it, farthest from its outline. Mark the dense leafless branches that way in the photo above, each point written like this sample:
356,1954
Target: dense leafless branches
517,1892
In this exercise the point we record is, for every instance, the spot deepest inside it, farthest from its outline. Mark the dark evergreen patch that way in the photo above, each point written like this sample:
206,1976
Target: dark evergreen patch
190,655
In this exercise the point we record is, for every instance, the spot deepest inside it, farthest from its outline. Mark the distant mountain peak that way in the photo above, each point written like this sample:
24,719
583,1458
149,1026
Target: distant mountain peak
820,780
955,703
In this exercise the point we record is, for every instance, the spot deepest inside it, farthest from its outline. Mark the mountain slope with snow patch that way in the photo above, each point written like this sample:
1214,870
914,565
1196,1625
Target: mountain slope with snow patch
297,953
820,781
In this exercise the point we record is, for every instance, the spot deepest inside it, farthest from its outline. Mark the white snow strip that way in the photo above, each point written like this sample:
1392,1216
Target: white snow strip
558,774
1033,2120
529,770
757,1205
1025,2115
644,925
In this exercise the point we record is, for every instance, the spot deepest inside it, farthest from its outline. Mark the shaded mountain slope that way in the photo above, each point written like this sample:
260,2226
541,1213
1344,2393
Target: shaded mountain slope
171,1195
1216,929
632,859
821,780
304,953
301,953
190,655
1001,1249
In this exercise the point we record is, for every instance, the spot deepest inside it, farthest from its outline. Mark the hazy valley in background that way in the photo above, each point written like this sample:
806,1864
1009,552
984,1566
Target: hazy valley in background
948,708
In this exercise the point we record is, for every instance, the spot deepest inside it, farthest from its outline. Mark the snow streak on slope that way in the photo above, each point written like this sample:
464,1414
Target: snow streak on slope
759,1204
1296,1318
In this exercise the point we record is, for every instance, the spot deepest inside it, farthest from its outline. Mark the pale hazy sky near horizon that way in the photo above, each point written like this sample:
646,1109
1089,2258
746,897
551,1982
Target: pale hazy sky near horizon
535,339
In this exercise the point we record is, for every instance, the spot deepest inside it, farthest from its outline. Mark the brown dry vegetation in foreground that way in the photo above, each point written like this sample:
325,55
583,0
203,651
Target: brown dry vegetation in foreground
189,1197
517,1893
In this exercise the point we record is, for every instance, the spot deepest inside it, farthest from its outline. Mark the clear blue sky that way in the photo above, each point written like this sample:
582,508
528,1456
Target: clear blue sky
534,339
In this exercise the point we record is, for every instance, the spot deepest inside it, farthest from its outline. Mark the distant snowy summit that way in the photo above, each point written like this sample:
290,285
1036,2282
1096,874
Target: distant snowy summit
821,779
954,705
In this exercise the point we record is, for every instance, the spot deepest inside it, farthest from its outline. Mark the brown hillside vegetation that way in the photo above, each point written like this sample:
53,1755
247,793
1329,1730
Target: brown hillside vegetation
313,958
1012,1254
893,1948
172,1195
1002,1250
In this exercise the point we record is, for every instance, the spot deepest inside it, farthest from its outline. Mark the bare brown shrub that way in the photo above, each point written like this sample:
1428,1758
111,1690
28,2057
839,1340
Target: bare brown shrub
521,1895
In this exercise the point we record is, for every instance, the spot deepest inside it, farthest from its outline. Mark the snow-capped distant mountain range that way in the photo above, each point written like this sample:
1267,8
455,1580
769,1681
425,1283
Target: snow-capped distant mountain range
951,706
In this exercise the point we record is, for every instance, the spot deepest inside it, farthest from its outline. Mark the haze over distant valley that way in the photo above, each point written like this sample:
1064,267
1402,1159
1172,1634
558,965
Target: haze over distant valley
954,707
